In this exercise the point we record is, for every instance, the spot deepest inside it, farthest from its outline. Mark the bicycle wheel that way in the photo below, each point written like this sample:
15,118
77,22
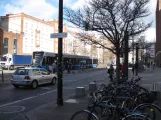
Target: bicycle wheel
84,115
149,110
135,117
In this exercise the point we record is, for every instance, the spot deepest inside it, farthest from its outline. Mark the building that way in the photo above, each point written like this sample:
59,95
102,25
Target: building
158,34
23,34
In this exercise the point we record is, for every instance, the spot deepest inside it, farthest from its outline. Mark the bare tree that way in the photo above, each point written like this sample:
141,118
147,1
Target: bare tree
116,20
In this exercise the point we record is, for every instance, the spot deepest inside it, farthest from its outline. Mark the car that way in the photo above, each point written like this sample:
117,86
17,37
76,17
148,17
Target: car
32,77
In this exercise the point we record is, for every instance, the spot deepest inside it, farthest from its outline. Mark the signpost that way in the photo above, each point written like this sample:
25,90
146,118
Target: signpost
60,44
58,35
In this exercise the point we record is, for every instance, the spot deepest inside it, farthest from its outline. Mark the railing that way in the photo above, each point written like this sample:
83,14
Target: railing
1,75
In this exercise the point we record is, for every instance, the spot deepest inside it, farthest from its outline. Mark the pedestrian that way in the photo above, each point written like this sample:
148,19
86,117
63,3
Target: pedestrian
133,69
47,67
82,66
136,68
68,67
50,69
111,72
153,65
54,67
122,70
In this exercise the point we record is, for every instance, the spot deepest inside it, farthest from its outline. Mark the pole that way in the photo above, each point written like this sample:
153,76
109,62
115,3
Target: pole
133,51
137,58
126,52
60,43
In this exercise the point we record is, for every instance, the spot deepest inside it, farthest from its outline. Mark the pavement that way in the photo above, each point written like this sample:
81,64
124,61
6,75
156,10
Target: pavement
51,111
72,104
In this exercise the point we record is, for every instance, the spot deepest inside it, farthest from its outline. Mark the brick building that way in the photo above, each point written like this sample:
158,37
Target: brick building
23,34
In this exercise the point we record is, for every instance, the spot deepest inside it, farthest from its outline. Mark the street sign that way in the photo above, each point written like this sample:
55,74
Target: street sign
58,35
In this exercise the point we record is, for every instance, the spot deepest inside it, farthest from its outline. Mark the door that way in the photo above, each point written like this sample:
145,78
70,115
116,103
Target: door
45,76
37,75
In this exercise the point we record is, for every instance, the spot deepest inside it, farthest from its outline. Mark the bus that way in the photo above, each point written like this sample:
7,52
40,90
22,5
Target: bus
42,59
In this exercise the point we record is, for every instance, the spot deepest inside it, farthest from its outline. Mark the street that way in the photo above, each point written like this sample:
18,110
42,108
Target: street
14,103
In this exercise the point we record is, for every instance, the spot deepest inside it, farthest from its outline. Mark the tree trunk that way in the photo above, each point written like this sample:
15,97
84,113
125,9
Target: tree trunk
118,66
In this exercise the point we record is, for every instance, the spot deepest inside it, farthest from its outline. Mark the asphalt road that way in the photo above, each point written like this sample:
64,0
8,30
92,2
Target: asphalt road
14,103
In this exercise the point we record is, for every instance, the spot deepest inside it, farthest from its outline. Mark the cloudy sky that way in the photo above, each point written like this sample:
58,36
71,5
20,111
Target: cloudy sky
48,10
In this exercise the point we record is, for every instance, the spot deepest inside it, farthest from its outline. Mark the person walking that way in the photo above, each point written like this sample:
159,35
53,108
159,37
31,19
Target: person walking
50,69
136,68
133,69
153,66
54,67
68,67
122,70
111,72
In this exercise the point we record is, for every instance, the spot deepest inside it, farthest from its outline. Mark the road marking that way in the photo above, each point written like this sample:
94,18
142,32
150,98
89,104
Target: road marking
48,92
12,109
68,88
28,98
158,77
71,101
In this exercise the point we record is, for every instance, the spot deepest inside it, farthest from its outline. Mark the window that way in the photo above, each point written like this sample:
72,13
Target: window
5,44
21,72
44,72
15,45
36,72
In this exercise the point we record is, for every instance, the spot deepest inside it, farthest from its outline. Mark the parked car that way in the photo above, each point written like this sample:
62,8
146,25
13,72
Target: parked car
32,77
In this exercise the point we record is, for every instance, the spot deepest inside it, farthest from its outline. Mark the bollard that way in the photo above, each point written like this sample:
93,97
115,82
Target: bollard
2,77
80,91
92,86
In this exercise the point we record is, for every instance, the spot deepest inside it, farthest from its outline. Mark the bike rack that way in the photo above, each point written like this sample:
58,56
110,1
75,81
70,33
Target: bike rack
2,76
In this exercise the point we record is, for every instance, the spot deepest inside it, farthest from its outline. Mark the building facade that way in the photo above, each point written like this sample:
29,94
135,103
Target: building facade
23,34
158,34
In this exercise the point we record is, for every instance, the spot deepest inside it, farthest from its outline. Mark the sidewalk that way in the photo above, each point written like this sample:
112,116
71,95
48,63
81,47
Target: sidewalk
50,111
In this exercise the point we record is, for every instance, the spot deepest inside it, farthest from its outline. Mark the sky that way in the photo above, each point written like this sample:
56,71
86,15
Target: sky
48,10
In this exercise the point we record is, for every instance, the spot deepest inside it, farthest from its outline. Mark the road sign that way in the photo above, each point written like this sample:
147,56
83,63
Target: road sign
58,35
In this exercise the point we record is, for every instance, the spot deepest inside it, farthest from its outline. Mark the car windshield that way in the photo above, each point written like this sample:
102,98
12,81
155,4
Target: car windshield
21,72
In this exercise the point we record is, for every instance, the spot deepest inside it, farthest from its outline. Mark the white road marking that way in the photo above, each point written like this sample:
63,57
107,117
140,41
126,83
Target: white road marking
71,101
68,88
48,92
28,98
22,109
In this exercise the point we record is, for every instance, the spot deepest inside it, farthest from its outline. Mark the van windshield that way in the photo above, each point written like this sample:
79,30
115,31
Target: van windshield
3,58
21,72
37,58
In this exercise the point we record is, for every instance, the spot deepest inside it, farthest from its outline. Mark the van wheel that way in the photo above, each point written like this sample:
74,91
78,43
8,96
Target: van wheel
16,86
11,67
34,84
53,82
